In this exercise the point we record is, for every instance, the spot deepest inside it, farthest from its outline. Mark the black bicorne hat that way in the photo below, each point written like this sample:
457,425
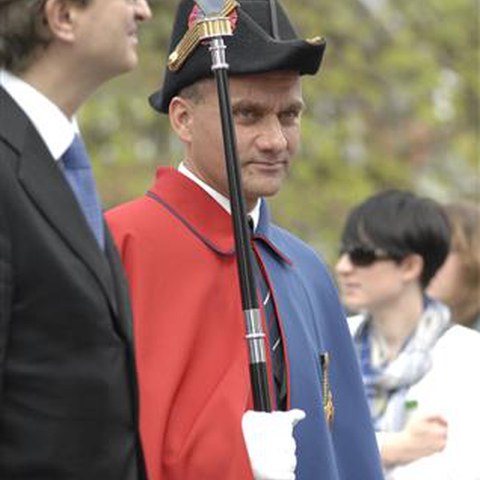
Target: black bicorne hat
257,46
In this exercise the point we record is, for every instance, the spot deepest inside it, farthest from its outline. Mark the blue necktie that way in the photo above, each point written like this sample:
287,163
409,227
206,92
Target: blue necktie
78,172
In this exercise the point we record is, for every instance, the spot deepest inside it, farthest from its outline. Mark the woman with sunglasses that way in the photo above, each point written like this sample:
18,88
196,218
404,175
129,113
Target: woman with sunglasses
420,371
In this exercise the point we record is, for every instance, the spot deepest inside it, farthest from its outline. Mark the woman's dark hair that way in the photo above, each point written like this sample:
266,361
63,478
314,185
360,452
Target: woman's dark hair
401,223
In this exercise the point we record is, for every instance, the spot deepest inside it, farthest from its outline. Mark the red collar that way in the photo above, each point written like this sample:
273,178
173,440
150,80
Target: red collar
197,210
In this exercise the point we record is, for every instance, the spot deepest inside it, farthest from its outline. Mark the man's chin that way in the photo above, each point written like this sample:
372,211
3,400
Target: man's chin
263,193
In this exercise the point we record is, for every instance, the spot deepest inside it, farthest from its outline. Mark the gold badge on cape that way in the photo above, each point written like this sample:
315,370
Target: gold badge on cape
328,406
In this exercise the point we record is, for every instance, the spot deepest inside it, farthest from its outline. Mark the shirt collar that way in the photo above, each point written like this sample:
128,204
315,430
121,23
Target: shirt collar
55,129
221,199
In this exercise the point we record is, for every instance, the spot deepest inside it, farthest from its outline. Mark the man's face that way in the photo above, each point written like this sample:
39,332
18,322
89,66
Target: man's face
266,110
106,35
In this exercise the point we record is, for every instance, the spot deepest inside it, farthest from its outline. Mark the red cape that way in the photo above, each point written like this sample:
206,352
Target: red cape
192,359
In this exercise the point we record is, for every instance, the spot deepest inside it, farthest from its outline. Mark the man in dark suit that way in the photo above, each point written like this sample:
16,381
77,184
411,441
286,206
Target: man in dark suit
68,401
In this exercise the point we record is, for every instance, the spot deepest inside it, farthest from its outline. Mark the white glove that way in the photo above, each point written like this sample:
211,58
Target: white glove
270,443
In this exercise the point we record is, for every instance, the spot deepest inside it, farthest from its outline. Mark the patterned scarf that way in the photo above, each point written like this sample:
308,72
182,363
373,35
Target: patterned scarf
387,383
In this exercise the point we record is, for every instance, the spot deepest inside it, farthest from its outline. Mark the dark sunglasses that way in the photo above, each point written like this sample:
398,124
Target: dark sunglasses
362,256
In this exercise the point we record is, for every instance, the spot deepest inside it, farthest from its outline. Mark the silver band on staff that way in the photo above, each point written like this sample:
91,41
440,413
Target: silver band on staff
255,335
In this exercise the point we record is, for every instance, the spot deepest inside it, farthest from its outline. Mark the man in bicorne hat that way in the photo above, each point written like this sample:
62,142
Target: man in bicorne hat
177,246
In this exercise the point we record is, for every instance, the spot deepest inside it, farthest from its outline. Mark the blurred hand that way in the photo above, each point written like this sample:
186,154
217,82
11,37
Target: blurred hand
422,436
270,443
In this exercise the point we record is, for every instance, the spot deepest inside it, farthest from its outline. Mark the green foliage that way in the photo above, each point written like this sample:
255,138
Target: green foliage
396,105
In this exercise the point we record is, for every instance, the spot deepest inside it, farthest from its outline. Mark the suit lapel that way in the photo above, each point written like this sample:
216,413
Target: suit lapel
46,186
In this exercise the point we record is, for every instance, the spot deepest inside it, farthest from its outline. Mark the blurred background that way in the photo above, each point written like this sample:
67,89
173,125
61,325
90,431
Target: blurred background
396,104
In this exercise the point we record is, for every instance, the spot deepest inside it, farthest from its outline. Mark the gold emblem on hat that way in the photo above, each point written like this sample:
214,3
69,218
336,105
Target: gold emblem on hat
328,406
315,40
202,29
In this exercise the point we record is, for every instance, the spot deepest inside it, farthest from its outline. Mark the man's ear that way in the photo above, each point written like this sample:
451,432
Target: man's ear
59,19
412,267
180,113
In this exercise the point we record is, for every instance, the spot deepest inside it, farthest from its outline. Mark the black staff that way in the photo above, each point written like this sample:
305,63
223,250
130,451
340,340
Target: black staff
211,25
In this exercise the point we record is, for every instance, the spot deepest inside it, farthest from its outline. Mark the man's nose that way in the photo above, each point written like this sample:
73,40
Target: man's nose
272,136
142,10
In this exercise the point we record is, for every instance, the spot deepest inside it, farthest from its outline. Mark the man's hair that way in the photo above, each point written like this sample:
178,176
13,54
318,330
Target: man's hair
401,223
194,92
23,31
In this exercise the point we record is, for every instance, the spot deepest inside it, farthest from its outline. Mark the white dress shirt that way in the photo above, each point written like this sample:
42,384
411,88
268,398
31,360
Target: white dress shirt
53,126
224,202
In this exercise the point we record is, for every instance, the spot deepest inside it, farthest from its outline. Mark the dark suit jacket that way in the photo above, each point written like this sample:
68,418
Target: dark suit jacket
68,406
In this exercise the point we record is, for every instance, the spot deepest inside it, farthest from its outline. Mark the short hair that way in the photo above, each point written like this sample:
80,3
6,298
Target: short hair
465,222
401,223
23,31
195,92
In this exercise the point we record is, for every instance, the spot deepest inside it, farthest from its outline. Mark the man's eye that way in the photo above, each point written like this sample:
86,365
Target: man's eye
246,115
289,116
